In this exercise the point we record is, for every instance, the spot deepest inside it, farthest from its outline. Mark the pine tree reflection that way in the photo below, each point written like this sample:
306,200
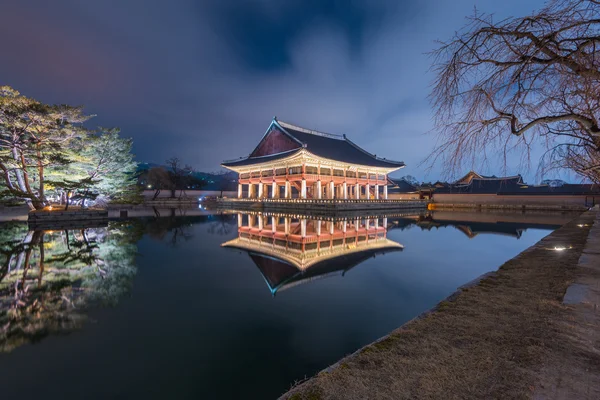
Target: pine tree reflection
50,278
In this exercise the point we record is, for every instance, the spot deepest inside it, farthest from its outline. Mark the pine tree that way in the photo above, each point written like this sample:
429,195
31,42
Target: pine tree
46,148
33,138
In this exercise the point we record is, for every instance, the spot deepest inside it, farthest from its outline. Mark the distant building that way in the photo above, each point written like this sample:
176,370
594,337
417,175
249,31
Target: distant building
465,180
400,189
291,161
403,190
475,188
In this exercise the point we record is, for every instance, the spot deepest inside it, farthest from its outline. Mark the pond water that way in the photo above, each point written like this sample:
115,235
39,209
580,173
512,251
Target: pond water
226,305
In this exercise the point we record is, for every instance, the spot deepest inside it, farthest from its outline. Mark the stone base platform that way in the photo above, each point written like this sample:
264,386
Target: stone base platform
320,205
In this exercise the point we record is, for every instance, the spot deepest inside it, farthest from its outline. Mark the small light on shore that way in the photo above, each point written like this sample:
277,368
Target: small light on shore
50,208
560,248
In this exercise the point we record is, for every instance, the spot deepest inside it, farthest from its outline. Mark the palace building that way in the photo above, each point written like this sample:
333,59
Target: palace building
295,162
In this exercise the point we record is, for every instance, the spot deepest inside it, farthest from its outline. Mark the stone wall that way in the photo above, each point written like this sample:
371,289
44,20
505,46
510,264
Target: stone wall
403,196
69,215
529,202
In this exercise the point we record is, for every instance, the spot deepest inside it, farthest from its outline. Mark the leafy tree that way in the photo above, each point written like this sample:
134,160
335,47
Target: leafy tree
46,147
48,279
102,165
503,86
33,137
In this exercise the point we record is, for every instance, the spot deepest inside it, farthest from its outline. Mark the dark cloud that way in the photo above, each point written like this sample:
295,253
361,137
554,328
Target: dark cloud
201,79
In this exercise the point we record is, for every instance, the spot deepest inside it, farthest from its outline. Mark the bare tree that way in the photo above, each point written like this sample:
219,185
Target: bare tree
159,179
180,175
505,86
225,181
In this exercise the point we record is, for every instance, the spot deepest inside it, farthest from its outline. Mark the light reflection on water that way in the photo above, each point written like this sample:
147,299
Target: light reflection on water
181,306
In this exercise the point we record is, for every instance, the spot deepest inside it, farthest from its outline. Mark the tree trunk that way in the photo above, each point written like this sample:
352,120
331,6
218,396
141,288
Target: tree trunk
87,191
26,266
36,204
18,172
35,201
41,194
21,180
41,260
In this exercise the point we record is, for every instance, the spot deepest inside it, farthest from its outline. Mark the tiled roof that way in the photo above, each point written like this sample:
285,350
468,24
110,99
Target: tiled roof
255,160
401,186
336,147
566,189
326,145
279,274
483,186
515,186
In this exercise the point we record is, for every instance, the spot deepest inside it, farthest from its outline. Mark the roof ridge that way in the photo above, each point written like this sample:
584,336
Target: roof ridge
497,178
266,155
311,131
370,154
235,159
276,154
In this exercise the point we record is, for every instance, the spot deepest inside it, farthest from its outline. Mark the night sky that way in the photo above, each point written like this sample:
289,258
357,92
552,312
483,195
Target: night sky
202,79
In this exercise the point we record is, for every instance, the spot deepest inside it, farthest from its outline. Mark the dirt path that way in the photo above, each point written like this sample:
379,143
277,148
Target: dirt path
510,336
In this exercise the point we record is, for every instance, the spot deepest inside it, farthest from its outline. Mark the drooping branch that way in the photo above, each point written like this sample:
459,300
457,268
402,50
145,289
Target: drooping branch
537,76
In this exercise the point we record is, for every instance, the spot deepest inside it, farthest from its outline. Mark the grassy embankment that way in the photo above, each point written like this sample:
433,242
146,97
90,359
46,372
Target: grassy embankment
490,341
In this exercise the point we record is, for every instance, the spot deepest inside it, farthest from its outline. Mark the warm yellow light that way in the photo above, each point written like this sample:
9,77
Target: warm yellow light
561,248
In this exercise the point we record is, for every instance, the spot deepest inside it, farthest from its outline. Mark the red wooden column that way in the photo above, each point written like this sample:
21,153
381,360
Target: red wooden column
345,187
260,185
303,183
332,185
319,189
274,187
288,189
385,187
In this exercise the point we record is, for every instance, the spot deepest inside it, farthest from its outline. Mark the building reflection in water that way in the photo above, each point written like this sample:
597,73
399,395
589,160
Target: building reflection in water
48,278
510,224
292,249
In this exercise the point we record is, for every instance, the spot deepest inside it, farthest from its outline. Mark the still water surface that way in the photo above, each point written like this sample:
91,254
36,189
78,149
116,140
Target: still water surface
226,305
